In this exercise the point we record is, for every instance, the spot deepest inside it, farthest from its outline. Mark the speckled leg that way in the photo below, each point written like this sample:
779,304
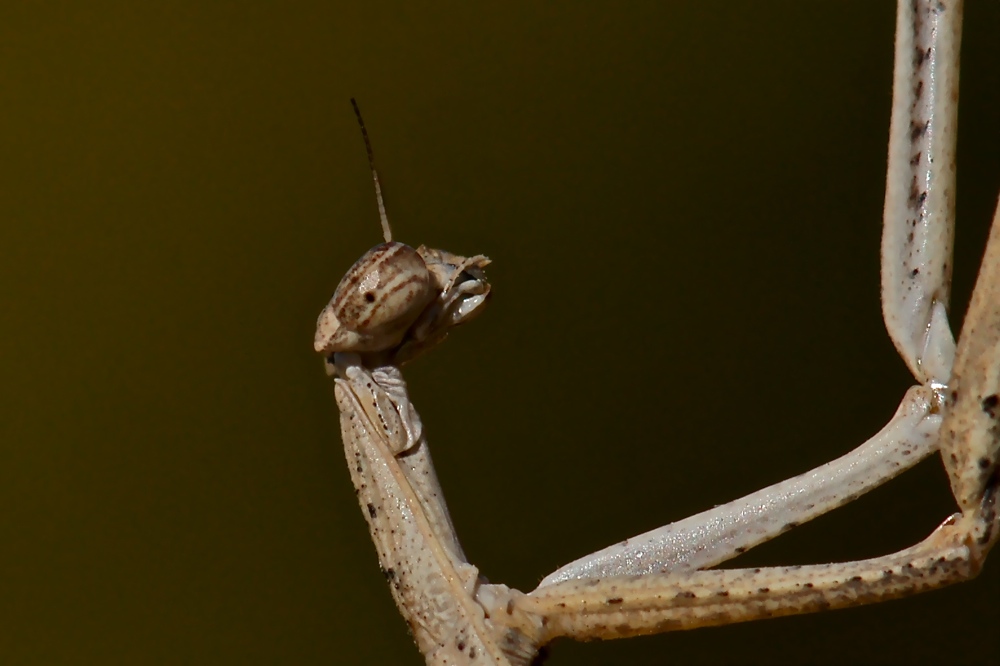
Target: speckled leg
711,537
919,216
970,432
623,606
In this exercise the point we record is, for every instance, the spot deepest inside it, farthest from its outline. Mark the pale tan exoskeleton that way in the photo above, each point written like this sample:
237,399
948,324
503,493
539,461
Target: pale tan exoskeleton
397,302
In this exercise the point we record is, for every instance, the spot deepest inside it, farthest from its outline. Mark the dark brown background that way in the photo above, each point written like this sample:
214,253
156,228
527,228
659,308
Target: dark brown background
683,208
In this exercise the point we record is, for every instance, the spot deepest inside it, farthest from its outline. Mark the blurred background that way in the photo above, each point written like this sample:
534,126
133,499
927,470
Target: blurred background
682,202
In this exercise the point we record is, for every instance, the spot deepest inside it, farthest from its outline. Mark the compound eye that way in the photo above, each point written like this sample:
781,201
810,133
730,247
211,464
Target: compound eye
381,296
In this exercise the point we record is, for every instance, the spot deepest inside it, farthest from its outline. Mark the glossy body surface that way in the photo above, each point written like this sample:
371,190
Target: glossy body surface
185,187
656,583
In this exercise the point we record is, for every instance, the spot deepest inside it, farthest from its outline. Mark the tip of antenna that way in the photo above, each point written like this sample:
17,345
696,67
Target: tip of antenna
386,231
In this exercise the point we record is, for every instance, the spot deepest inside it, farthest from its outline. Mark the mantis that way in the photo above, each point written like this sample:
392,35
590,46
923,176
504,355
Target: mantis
397,302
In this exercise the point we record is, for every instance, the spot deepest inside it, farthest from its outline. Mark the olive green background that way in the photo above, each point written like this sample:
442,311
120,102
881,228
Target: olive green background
683,208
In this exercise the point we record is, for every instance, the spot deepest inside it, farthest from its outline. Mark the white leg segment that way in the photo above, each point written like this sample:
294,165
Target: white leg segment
714,536
623,606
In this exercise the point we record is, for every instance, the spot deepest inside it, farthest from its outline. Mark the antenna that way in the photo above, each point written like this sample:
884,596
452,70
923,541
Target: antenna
386,231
